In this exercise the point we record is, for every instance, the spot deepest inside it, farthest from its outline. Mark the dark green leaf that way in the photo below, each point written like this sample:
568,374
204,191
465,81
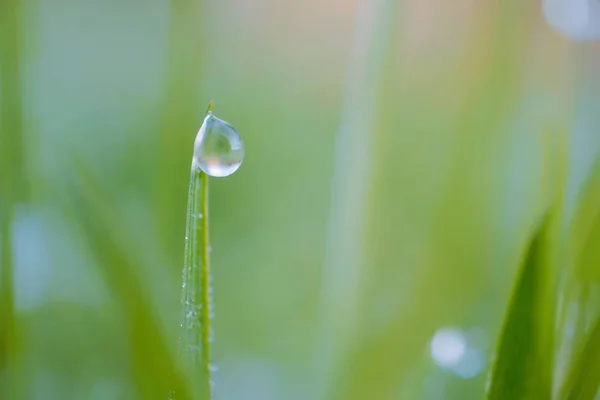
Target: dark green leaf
523,364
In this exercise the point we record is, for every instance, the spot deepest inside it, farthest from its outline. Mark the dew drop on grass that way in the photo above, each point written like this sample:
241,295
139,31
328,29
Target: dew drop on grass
218,149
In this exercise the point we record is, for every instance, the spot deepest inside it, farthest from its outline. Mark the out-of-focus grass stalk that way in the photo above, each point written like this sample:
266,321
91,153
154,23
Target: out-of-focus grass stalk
155,367
180,114
523,366
486,105
196,293
583,380
11,178
7,313
519,370
582,376
347,225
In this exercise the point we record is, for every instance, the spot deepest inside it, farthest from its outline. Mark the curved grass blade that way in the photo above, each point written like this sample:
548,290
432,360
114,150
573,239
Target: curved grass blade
155,369
196,333
583,381
583,377
523,365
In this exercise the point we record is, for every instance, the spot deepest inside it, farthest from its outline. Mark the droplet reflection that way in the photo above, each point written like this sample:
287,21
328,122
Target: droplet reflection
218,149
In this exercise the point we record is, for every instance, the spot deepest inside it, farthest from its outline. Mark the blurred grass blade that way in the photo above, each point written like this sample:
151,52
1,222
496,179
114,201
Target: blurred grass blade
11,184
583,372
155,369
583,380
523,365
7,312
347,225
196,297
180,113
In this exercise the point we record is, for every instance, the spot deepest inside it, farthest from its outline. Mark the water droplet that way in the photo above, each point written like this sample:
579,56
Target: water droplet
218,149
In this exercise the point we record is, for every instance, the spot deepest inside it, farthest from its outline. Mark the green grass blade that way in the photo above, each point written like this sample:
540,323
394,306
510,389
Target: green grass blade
155,368
348,222
196,294
11,184
523,365
7,313
179,115
582,380
524,362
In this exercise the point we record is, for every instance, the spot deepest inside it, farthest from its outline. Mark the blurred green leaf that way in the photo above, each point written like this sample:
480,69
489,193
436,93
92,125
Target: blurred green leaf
583,377
585,231
11,183
583,380
523,364
156,370
181,116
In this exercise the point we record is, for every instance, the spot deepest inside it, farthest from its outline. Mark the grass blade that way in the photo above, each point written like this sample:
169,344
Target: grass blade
155,369
179,114
196,292
11,178
345,254
523,365
582,380
7,313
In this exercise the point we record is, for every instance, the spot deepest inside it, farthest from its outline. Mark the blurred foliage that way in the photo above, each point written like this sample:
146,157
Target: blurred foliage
524,360
11,186
449,106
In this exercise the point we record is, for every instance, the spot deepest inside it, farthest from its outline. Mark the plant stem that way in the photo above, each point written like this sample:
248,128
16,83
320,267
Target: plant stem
196,296
207,305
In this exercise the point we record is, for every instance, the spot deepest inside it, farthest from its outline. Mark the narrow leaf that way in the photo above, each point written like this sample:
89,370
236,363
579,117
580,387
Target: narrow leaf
583,371
196,293
11,184
583,381
156,370
523,364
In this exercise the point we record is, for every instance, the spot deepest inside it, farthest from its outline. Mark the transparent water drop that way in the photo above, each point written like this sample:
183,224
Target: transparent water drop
218,149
